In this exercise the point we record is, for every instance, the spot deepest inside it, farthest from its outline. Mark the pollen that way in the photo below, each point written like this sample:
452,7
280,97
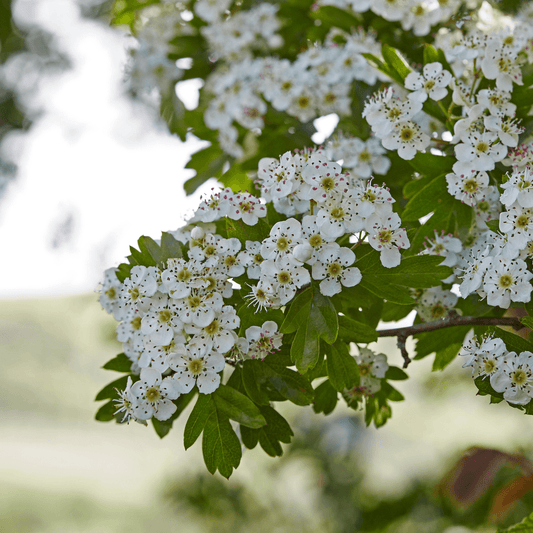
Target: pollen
196,366
153,394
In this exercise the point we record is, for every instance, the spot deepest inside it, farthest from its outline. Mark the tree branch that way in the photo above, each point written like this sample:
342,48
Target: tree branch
403,333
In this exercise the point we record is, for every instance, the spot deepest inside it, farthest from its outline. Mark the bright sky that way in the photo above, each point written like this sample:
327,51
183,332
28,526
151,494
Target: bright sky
94,154
95,162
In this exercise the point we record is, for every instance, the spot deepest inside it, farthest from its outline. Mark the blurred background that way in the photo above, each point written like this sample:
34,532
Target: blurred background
84,171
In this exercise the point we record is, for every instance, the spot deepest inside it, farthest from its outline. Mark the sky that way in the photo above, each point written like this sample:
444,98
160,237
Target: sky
95,171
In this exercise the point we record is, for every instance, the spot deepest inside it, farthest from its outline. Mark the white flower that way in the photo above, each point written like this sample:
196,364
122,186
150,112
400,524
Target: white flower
153,395
507,280
218,334
137,289
331,268
407,138
481,150
247,207
110,294
467,184
518,223
193,365
502,65
284,236
518,188
386,236
286,276
372,368
435,303
515,378
337,216
485,359
125,403
162,321
432,82
263,340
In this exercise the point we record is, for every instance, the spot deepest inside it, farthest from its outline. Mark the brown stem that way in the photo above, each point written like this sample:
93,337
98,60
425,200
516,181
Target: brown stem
403,333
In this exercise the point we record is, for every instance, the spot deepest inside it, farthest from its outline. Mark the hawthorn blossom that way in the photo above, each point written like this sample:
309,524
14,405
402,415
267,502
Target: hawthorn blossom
331,268
386,236
194,365
432,82
406,137
515,378
153,395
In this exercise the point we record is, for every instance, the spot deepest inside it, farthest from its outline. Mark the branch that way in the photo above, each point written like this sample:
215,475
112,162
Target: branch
403,333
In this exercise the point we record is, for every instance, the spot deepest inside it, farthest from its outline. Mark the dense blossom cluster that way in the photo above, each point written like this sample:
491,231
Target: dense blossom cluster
449,133
509,373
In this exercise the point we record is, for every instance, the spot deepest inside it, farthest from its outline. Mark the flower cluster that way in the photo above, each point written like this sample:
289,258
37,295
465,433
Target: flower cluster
509,373
372,369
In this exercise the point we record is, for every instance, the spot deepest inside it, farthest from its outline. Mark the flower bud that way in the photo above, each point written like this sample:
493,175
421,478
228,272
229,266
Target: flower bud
197,233
303,252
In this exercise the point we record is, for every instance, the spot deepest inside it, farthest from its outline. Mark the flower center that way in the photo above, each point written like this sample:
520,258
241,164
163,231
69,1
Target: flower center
315,240
303,101
164,316
522,221
519,377
230,260
385,235
258,258
490,365
505,281
210,250
213,328
196,366
134,293
153,395
394,113
369,196
337,213
482,147
364,370
429,85
284,277
330,98
364,156
111,293
184,275
327,183
483,206
470,186
194,302
334,269
136,323
406,134
282,244
438,311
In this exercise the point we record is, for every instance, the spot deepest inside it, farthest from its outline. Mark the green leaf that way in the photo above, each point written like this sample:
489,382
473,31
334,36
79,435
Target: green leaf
238,229
288,383
208,164
120,363
325,398
527,321
313,317
494,225
339,18
513,342
238,407
170,247
426,200
201,411
430,54
418,272
109,391
252,376
343,371
353,331
249,317
396,61
395,374
415,185
220,445
276,430
383,289
375,62
250,437
390,392
435,341
526,526
106,413
163,427
237,180
430,164
444,357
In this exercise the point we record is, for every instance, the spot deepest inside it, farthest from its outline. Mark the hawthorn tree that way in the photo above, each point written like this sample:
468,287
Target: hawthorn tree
420,202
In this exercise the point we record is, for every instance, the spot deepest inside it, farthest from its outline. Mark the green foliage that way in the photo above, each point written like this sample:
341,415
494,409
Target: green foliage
326,398
313,317
342,369
162,427
120,363
526,526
